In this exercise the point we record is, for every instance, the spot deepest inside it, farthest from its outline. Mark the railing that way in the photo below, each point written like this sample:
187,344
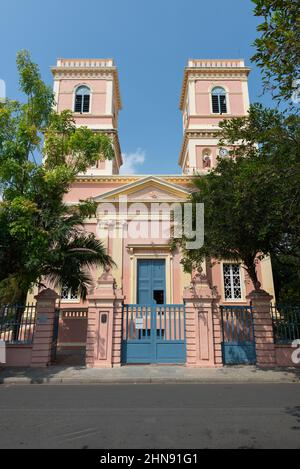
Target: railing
97,63
166,322
286,323
203,63
17,323
237,324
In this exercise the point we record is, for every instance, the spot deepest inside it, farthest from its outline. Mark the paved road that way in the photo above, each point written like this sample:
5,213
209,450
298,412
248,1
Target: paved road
150,416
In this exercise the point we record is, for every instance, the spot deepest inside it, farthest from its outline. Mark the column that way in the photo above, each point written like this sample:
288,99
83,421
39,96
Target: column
263,327
43,335
104,330
198,299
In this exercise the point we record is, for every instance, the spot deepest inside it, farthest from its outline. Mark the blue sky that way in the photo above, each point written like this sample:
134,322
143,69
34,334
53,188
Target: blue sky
150,42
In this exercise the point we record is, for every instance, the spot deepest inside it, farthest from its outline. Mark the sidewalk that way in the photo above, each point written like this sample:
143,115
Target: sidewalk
147,374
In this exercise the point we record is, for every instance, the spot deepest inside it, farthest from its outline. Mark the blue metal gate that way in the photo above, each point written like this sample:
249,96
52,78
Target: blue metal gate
153,334
238,346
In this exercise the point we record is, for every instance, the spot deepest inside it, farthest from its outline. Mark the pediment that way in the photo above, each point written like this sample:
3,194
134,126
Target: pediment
150,189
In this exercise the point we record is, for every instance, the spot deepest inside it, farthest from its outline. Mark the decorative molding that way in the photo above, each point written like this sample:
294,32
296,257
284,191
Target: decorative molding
193,134
153,182
215,72
95,73
132,247
177,179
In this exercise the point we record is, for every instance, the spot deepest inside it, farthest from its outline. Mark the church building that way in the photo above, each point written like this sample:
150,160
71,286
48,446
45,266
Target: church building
148,274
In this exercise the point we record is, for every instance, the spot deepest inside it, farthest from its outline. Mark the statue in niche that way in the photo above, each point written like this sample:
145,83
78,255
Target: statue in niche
206,161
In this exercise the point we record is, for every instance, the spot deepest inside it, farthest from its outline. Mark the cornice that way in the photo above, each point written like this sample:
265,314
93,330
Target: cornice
126,179
191,133
236,73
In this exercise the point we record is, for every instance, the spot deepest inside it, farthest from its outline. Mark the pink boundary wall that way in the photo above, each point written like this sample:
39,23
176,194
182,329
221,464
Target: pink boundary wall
38,354
104,328
18,355
283,355
72,331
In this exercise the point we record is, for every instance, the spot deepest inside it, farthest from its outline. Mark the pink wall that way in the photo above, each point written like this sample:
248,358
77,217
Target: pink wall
283,355
235,93
66,94
82,190
18,355
72,330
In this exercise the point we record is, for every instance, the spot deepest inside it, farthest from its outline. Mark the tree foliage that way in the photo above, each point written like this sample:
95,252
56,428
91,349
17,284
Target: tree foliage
39,234
252,198
278,46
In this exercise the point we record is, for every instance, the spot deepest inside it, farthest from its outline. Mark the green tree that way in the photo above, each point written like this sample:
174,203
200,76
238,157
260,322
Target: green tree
40,236
278,47
252,199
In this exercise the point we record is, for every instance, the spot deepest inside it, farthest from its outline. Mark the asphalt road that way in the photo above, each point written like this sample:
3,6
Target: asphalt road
150,416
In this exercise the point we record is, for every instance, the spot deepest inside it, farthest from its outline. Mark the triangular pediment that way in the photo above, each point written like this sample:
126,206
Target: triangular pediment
149,189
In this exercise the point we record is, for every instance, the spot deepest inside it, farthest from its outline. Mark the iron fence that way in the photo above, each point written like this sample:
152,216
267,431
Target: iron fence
17,323
286,323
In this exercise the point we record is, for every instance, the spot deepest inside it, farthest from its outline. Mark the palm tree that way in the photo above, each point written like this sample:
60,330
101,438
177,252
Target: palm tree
69,258
72,255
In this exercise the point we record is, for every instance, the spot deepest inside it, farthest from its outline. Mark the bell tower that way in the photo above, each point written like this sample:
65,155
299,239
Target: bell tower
212,90
90,88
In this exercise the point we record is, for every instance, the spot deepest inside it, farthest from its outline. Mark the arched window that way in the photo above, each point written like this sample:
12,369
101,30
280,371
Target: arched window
82,99
218,100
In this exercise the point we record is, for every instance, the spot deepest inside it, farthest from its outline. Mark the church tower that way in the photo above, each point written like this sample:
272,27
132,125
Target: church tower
90,88
212,90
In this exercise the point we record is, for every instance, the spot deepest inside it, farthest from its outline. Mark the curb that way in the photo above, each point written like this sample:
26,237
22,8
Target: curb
120,381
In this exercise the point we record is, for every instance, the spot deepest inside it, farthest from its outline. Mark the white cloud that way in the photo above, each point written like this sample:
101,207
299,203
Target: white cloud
131,160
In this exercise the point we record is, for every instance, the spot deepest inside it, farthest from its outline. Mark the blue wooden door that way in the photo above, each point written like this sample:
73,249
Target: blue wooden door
153,332
151,281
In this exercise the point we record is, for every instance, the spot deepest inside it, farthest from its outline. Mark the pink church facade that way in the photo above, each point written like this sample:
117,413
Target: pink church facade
148,270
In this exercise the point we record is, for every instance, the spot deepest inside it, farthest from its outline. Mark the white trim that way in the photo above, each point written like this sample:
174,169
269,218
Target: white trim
142,182
70,301
242,283
245,92
203,126
93,126
109,97
73,99
56,86
211,87
192,97
192,154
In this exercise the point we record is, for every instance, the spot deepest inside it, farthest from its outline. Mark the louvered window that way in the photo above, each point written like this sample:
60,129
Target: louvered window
232,281
218,99
82,99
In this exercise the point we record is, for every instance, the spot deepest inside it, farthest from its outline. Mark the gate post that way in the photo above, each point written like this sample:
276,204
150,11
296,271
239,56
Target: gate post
104,328
199,310
263,327
44,328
